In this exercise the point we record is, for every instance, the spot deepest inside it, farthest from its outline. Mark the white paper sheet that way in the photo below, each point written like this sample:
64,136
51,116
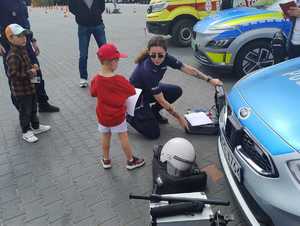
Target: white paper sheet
131,102
198,118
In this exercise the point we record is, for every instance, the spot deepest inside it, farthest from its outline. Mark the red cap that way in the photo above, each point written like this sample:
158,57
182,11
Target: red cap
109,52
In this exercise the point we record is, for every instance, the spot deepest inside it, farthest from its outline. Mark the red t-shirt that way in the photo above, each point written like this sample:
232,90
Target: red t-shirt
111,93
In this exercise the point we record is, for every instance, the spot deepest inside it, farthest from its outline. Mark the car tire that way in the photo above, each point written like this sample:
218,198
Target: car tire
253,56
182,32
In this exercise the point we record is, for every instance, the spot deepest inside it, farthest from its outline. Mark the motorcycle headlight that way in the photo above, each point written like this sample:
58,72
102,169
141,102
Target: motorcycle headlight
220,44
157,7
294,167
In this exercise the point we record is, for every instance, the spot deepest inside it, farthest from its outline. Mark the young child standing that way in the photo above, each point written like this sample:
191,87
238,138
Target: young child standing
22,77
112,90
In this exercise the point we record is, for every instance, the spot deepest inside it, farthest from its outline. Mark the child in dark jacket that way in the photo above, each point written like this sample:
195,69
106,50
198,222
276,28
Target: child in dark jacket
23,78
112,90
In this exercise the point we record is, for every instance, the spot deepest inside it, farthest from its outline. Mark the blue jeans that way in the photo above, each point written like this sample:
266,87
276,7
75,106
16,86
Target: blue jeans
84,35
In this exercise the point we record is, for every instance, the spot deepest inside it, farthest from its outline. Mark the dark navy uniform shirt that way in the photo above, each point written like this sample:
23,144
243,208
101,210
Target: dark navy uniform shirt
147,75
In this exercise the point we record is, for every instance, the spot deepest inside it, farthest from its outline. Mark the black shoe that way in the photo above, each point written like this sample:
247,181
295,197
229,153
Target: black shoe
161,119
46,107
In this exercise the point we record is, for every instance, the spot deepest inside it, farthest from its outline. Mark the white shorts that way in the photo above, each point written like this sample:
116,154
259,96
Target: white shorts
121,128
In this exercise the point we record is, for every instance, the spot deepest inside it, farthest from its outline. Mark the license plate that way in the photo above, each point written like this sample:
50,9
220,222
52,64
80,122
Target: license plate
234,164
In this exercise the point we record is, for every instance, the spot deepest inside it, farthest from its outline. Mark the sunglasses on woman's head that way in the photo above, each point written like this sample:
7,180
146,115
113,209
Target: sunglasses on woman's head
158,55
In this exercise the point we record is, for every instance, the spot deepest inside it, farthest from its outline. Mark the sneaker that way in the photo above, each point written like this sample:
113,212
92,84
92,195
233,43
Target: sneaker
83,83
135,163
41,129
29,137
106,163
46,107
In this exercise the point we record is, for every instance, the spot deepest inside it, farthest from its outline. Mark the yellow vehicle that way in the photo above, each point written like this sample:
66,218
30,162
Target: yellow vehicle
177,17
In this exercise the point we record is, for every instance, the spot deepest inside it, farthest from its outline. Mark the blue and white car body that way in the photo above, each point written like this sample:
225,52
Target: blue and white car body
238,38
259,144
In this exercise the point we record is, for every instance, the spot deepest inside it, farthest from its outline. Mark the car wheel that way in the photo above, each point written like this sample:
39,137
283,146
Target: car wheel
182,32
253,56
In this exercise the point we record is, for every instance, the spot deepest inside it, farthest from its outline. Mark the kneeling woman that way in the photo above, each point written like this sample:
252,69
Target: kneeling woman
151,66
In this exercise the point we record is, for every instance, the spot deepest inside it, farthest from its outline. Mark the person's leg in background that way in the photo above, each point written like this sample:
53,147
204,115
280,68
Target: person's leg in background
42,97
293,51
99,34
84,35
171,94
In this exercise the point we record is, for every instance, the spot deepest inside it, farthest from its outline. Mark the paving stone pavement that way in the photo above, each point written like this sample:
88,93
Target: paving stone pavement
58,180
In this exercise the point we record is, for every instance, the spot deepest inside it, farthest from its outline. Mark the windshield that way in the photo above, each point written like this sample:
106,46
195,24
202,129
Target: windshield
262,4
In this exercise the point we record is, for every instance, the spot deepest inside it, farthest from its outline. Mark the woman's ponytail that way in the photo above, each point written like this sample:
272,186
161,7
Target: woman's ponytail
142,56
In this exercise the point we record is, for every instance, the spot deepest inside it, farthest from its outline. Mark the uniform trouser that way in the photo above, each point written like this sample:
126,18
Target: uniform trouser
144,120
171,94
27,107
293,51
41,94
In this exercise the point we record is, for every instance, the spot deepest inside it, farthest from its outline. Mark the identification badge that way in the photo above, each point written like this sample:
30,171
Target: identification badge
36,79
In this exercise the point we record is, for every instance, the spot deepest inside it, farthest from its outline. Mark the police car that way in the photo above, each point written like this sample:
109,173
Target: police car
239,38
259,144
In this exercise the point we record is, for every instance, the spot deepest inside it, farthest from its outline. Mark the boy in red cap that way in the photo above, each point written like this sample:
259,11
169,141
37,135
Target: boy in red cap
112,90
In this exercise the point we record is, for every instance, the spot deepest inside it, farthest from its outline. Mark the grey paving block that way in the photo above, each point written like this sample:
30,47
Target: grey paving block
71,195
43,182
84,182
25,181
91,221
56,211
16,221
7,180
8,194
11,210
64,182
34,210
3,158
42,221
22,169
80,212
28,194
5,169
92,195
128,213
103,212
65,221
50,195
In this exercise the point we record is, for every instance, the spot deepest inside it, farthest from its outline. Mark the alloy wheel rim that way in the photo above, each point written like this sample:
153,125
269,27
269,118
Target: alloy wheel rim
186,34
256,59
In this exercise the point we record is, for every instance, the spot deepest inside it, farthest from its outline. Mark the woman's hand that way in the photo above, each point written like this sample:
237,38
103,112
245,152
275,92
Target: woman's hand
216,82
294,12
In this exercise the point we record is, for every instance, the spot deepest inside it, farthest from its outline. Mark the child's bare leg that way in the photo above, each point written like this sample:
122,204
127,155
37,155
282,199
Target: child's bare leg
105,144
125,145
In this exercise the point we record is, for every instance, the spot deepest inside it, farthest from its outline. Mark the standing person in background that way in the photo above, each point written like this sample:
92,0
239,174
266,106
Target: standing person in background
16,12
294,39
88,16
